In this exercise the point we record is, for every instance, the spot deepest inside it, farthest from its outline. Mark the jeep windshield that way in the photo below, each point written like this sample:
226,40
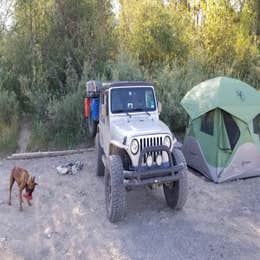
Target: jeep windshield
132,99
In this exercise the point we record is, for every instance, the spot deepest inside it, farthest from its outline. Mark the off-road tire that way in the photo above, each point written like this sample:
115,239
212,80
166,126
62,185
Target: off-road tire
92,126
114,189
176,193
100,169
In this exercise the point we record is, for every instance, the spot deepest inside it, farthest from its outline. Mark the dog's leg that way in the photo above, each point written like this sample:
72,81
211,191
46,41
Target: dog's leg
29,203
21,197
10,188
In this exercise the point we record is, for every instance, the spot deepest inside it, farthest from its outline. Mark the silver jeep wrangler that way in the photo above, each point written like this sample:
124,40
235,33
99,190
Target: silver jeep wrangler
135,148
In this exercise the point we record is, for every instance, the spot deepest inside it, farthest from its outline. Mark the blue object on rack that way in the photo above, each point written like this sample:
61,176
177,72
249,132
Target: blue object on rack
95,109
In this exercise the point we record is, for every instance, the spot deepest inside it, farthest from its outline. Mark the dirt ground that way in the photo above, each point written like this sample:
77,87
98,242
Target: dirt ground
67,219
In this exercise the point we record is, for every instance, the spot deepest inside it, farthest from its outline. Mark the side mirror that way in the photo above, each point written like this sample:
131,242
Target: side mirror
159,107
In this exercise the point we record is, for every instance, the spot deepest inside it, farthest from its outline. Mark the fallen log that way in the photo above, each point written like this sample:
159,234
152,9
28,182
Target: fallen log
24,156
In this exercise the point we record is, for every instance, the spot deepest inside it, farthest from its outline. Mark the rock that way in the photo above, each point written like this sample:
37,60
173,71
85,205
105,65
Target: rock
83,193
70,168
48,233
3,239
246,211
62,170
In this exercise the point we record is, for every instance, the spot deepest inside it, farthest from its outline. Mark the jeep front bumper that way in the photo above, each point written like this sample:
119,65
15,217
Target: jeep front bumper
144,175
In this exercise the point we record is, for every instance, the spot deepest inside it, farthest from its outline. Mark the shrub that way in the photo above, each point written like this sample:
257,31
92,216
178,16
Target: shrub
71,76
8,122
8,107
171,85
8,138
39,139
39,101
65,126
126,68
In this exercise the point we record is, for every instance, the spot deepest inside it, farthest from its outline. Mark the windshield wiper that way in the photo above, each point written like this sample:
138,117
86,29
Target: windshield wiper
146,110
147,113
122,111
142,110
128,114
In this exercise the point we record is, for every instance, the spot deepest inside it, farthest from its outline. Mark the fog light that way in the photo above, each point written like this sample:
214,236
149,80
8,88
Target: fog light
149,161
159,160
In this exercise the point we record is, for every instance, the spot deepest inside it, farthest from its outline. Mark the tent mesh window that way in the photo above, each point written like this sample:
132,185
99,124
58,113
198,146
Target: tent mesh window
232,129
207,123
256,125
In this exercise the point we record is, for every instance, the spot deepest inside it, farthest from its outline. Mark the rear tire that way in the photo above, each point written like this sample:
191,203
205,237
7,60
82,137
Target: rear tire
176,192
92,126
100,170
115,190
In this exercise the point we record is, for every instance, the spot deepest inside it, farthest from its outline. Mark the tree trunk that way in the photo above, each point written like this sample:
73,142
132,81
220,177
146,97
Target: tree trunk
258,17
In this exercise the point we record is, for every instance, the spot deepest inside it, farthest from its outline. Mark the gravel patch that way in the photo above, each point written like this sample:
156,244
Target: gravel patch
68,220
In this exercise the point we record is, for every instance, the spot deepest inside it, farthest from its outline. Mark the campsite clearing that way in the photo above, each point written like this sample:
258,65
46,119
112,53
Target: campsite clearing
68,220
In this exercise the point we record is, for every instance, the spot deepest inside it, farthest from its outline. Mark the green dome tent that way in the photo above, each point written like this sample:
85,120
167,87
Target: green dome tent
222,137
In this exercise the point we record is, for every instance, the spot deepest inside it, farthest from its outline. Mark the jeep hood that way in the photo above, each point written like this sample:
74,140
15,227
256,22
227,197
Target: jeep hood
137,126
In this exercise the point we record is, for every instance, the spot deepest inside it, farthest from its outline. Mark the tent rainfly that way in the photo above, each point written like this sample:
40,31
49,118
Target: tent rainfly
222,137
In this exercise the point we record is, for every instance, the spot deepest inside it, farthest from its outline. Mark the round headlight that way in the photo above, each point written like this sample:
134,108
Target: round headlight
134,146
167,141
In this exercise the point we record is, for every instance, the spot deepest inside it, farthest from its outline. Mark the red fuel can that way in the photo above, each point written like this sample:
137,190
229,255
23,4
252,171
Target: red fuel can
87,102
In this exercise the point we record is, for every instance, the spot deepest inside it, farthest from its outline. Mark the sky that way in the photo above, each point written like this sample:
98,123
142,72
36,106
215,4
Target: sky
115,6
5,12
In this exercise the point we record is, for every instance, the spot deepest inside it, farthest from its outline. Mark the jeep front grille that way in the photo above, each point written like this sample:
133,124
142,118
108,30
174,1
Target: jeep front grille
148,142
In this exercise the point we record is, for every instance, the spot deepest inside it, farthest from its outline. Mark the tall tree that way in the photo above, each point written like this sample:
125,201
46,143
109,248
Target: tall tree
258,17
47,33
152,31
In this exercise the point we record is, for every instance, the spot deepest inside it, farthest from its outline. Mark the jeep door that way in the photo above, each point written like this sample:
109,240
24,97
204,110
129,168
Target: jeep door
104,124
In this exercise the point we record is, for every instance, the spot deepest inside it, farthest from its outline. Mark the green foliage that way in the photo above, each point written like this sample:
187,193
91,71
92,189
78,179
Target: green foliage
218,32
257,3
126,68
66,120
50,40
8,138
8,107
8,122
54,47
65,125
171,84
40,137
71,76
39,101
152,31
226,37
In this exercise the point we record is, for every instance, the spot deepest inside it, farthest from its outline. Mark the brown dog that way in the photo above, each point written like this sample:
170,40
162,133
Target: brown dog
23,180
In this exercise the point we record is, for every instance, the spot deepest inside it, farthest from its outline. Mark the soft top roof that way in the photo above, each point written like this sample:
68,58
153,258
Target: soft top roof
233,96
126,83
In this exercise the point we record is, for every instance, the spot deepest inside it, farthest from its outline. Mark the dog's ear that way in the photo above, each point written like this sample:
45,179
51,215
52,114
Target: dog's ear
33,179
36,183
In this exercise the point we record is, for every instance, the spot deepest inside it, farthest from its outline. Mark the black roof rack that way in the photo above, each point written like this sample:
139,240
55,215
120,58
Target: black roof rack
126,83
